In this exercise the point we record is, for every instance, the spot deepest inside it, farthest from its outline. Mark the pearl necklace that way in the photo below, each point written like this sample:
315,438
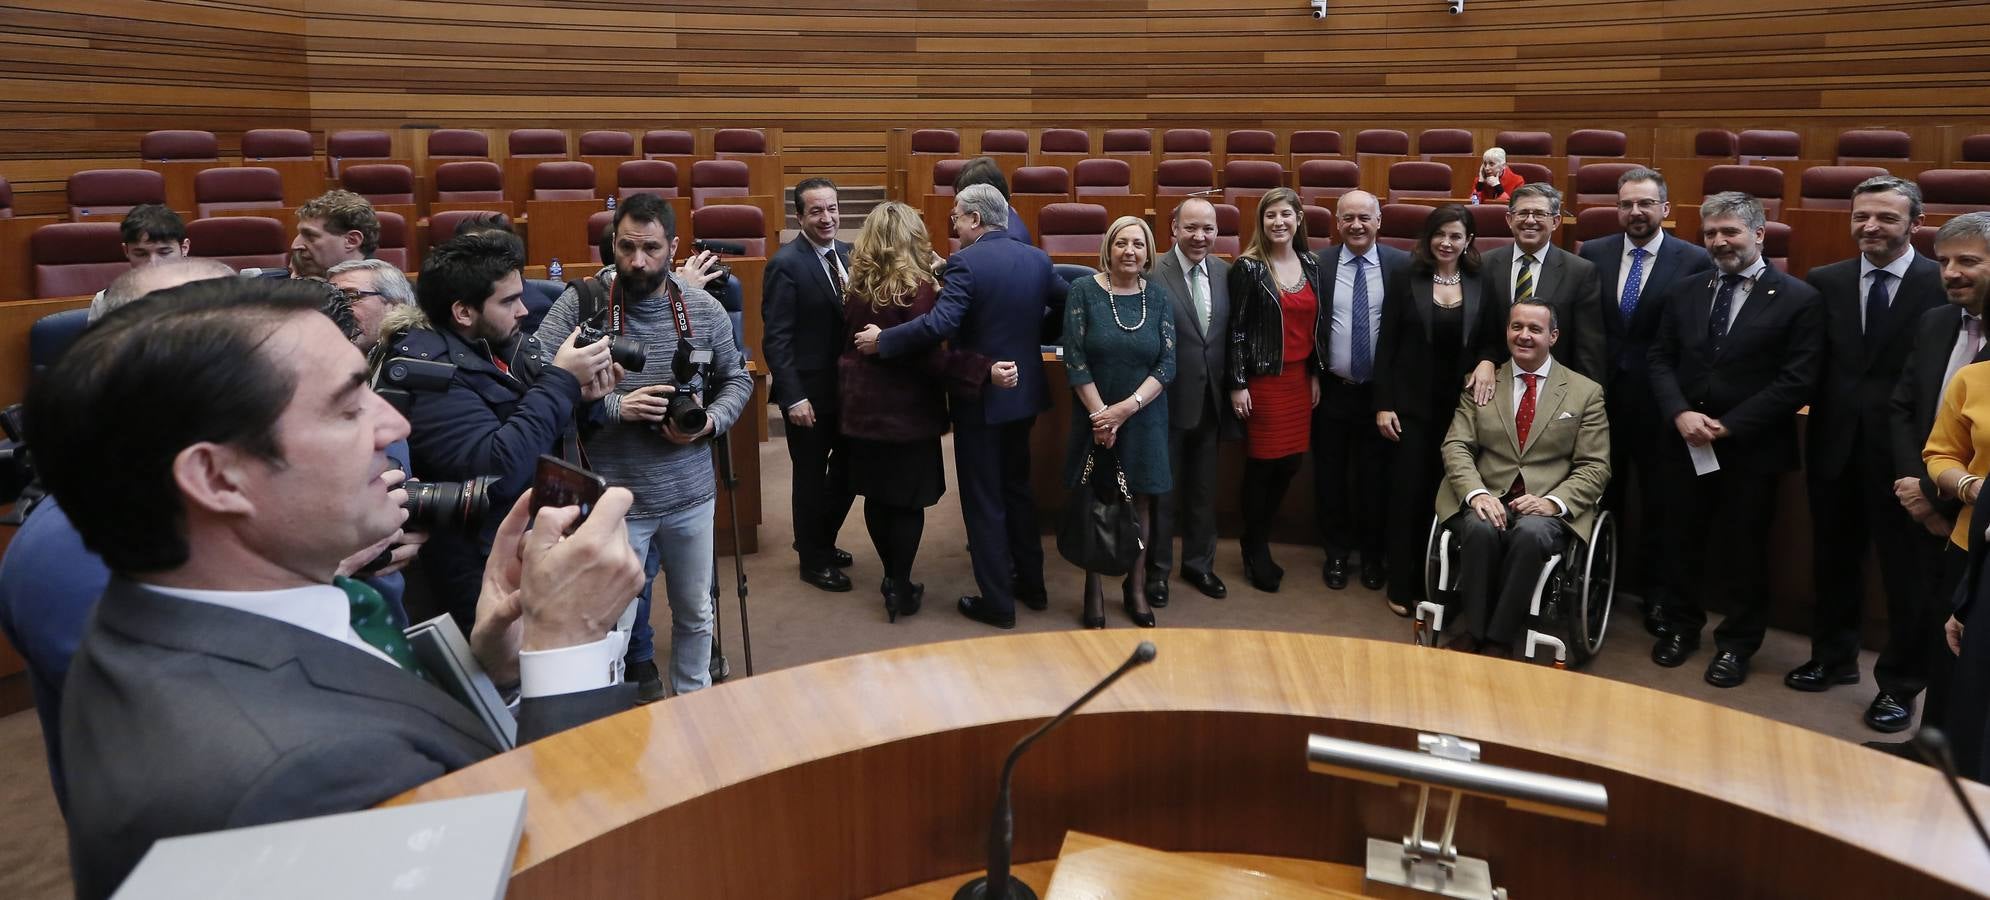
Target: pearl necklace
1454,279
1112,300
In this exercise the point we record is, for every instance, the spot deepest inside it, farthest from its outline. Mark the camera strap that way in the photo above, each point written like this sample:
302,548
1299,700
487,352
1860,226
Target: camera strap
680,314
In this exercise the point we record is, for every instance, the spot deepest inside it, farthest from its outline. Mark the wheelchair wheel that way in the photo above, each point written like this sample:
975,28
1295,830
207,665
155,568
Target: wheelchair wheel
1575,600
1434,564
1599,585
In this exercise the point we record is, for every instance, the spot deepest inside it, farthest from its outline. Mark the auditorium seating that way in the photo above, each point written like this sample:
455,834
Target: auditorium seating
1325,180
457,143
51,334
442,226
1250,142
1064,140
1186,141
6,199
1954,191
113,192
1324,143
669,143
1077,228
1382,141
176,145
473,181
1526,143
1763,143
1976,148
236,187
1716,142
1595,222
945,141
718,178
739,141
240,241
1596,183
1402,223
353,146
1181,177
1489,228
1830,187
1594,143
607,143
1763,182
76,258
1876,145
274,144
382,184
597,225
1250,178
1128,140
563,180
1532,173
1229,238
1419,179
1923,239
1040,181
1444,142
944,173
735,222
1095,177
646,176
1320,231
1776,244
1004,140
394,240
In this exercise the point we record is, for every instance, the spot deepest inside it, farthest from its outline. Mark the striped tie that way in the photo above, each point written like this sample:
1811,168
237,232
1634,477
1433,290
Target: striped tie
1523,287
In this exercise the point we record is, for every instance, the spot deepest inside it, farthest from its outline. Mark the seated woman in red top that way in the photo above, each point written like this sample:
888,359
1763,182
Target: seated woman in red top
1496,181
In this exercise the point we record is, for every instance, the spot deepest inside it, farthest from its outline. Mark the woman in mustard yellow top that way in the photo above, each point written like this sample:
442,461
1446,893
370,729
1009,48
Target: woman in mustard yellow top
1958,450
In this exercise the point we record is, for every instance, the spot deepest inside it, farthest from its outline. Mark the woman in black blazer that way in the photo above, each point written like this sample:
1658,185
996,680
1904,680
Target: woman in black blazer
1426,358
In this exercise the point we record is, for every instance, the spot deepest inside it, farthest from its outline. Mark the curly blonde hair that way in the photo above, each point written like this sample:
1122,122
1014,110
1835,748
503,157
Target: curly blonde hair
892,257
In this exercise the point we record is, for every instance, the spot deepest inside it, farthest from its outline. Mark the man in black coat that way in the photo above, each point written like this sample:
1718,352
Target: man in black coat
1633,268
1871,304
802,307
1736,355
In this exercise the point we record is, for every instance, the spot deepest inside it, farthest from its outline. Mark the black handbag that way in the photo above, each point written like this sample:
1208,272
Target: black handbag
1099,532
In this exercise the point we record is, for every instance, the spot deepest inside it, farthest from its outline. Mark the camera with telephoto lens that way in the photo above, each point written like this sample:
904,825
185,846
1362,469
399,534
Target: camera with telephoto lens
688,371
457,506
592,312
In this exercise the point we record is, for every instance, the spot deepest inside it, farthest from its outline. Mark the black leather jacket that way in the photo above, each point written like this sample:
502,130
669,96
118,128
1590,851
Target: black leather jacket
1257,324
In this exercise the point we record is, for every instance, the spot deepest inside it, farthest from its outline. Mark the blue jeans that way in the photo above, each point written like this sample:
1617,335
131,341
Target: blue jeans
679,545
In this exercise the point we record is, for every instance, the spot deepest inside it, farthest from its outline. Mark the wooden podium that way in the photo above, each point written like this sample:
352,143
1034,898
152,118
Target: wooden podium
869,774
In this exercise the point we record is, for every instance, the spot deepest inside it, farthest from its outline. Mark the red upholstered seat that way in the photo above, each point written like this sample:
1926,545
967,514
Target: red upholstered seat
1716,142
380,183
1064,140
1320,142
1762,182
1976,148
276,143
1874,144
1526,143
1072,227
1489,221
718,178
1386,141
1776,244
194,146
1040,180
564,180
1950,191
76,258
1923,239
1250,178
734,222
1596,183
536,142
1401,223
669,143
393,240
1180,177
1595,222
1103,176
936,140
1129,140
1762,143
236,187
1414,178
344,148
6,199
1186,140
473,181
1533,173
607,143
1320,229
1229,239
739,140
240,241
1250,140
597,225
1597,142
1327,179
1005,140
442,226
113,191
458,142
1444,140
1830,187
646,176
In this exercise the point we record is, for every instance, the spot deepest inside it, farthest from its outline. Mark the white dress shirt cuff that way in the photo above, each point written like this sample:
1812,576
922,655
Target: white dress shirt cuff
1469,497
791,406
1559,505
570,670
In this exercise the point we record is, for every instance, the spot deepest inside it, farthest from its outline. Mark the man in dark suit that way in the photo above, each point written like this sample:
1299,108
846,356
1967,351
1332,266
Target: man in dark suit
1633,268
996,294
1871,303
1198,281
225,473
1735,357
1532,266
802,305
1351,458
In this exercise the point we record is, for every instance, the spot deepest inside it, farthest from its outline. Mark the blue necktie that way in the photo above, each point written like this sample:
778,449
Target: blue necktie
1358,339
1717,321
1628,305
1876,305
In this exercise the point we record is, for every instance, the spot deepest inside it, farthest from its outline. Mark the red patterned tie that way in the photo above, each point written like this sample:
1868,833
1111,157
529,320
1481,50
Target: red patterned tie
1523,418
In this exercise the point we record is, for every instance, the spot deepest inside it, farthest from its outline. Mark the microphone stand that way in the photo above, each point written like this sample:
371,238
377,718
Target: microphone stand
998,884
1933,746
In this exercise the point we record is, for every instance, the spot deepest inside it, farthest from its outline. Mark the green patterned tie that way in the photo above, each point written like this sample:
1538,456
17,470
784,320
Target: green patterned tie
374,624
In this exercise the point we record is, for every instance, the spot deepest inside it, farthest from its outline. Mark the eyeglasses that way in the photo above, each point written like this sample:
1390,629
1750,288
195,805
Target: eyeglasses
1531,215
1628,205
354,295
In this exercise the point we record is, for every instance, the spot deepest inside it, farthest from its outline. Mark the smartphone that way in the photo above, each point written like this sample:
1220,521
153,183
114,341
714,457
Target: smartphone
560,483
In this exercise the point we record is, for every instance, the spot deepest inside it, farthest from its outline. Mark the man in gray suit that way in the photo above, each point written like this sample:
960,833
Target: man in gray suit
217,445
1199,283
1532,266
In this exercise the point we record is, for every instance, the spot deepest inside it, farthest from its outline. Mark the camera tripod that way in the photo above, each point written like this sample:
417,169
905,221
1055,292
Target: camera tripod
721,669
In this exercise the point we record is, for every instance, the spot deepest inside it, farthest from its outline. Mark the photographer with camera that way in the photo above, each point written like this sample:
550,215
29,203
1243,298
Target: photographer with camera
483,399
686,382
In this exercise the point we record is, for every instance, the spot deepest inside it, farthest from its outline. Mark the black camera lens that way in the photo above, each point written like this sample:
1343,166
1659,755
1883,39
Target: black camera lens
628,353
686,414
448,505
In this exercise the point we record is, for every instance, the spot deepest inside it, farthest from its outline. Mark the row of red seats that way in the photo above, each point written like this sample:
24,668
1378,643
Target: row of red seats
179,145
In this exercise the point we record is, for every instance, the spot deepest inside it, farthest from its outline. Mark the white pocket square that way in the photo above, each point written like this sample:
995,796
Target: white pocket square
1566,415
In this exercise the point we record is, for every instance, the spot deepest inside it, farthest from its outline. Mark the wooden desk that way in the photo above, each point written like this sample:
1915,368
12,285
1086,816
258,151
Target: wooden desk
17,265
559,231
303,179
860,775
179,177
607,172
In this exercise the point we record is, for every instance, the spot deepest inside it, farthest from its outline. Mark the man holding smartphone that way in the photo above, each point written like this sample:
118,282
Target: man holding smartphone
693,385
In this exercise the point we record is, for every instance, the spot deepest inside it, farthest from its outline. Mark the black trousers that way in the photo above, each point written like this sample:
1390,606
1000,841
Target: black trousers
1636,428
821,491
992,465
1938,663
1192,456
1414,473
1350,470
1498,568
895,532
1968,721
1732,511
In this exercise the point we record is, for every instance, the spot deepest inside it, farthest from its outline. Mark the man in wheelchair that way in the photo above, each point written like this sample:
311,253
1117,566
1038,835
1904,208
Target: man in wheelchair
1522,476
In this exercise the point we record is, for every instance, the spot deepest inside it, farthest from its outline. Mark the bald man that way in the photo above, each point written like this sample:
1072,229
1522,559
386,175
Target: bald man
158,276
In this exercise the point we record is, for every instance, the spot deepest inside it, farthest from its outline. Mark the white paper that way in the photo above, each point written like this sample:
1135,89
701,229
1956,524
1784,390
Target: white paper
1704,460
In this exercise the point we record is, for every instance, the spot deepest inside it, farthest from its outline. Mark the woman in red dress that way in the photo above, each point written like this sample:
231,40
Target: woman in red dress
1278,348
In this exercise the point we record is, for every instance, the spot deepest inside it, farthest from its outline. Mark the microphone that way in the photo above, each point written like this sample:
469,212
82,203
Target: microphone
1933,746
997,884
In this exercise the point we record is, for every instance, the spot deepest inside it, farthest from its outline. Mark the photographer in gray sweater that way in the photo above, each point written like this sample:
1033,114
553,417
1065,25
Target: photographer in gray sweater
661,451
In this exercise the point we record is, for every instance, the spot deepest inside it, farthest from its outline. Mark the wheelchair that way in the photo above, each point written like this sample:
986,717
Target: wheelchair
1570,611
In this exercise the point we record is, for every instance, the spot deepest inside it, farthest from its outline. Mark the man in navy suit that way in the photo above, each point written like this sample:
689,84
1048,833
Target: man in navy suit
802,304
1633,268
996,295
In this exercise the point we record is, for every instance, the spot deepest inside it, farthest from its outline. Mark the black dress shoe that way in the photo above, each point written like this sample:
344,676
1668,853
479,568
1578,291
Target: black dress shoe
1815,676
1373,575
1889,714
840,558
901,598
1655,620
1207,582
648,681
1157,591
1729,669
1261,572
1036,600
1672,649
827,578
1334,572
1142,619
975,608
